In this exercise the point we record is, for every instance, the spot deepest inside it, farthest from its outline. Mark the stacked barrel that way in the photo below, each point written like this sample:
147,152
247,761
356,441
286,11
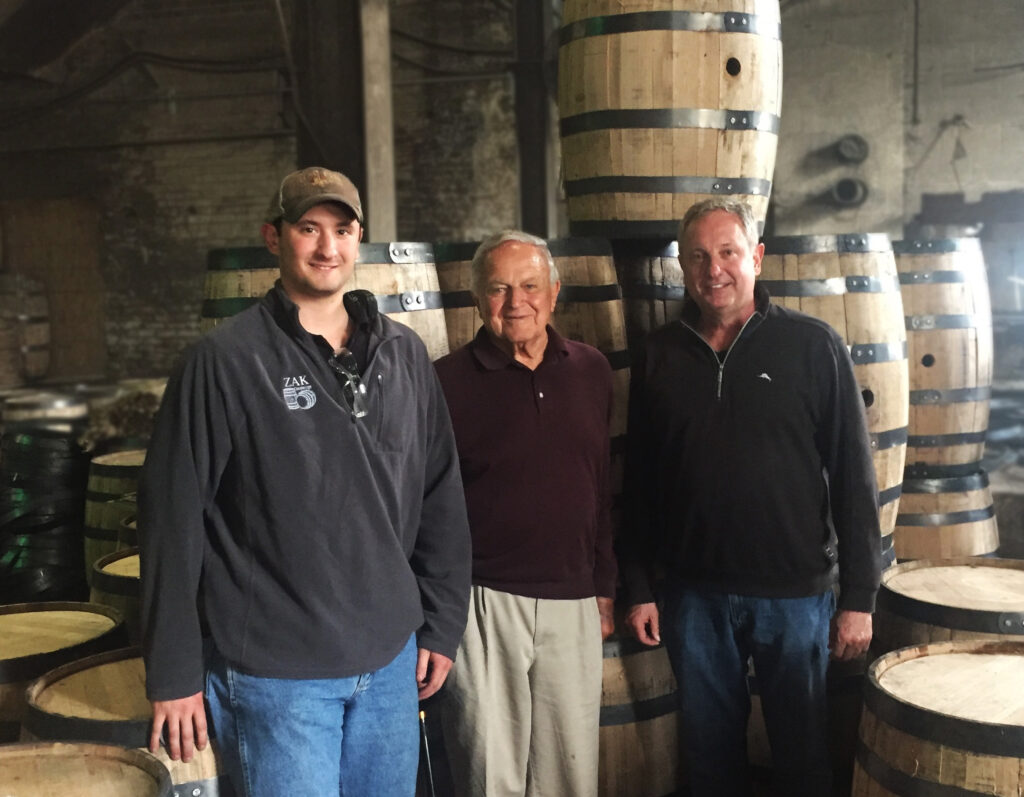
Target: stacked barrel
947,507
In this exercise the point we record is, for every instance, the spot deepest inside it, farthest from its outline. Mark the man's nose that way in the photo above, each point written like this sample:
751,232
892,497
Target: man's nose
326,245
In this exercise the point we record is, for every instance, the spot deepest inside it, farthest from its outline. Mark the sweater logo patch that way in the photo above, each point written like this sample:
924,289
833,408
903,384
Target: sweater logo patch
764,375
298,394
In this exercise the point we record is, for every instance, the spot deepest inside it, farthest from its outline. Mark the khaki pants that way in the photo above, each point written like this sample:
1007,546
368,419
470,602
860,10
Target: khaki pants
522,711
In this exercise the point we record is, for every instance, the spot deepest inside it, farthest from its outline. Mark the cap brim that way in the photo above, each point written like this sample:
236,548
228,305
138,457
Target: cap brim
306,204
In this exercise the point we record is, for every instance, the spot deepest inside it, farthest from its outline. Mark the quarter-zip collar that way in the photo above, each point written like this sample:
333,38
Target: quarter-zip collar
690,319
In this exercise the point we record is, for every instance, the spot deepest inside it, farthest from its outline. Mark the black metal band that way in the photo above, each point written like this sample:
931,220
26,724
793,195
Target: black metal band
645,249
822,244
938,246
938,485
958,395
890,495
944,440
945,518
868,353
410,302
658,229
925,470
932,277
620,184
592,246
833,286
923,323
95,533
617,359
669,119
396,252
455,252
589,293
125,586
696,21
452,300
880,441
647,291
896,781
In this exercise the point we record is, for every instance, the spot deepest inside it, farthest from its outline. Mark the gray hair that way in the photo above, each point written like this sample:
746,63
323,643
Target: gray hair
482,256
741,210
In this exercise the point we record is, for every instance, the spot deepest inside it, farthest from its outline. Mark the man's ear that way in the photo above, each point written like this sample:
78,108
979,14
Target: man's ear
271,237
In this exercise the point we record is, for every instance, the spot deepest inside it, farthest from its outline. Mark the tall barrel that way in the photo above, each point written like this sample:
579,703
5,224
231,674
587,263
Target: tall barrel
652,286
455,277
81,769
937,600
943,719
113,480
942,518
663,104
235,278
40,636
102,698
949,347
850,282
641,733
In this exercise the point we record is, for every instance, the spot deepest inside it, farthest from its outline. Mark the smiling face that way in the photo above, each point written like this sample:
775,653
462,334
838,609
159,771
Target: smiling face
719,267
517,297
317,253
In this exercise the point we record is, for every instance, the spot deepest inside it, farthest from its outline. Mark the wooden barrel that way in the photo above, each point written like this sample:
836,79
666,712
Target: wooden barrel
115,583
113,480
943,518
40,636
589,310
24,330
128,533
663,104
235,278
850,282
652,287
844,685
943,719
102,698
640,753
937,600
403,277
81,769
950,350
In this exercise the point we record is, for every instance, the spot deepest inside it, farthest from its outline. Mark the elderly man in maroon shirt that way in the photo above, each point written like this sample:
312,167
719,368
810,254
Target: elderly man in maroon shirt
531,412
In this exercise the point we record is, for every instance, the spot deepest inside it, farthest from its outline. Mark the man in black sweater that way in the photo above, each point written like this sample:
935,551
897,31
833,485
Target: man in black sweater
749,479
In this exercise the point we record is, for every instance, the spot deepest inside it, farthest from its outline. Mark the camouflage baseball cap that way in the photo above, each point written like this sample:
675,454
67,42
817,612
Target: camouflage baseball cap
301,190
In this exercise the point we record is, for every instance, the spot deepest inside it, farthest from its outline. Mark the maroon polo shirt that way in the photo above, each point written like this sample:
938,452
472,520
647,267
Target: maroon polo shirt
533,447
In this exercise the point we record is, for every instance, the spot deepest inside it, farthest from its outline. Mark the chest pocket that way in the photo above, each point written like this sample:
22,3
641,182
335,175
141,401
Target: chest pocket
393,406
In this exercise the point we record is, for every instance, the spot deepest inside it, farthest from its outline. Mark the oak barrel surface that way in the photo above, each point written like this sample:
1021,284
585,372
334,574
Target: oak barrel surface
80,769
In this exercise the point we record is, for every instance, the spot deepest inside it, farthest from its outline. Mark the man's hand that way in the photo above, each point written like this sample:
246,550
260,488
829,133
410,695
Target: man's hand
606,608
850,634
431,670
643,621
186,726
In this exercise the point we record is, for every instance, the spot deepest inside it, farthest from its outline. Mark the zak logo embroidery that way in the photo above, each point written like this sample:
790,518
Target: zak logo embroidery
298,394
764,375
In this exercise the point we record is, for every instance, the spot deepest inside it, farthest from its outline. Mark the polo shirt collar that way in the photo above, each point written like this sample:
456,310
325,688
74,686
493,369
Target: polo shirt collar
492,358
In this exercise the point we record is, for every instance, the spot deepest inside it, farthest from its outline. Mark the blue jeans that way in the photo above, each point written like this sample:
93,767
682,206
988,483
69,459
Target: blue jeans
709,637
355,737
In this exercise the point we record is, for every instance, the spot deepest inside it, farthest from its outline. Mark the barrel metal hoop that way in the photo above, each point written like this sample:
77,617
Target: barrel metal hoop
932,277
618,360
959,395
938,246
822,244
944,440
125,586
896,781
650,292
945,518
719,186
199,788
669,119
396,252
981,737
955,617
94,533
455,252
629,229
127,733
926,470
868,353
452,300
589,293
695,21
410,301
645,249
935,486
921,323
880,441
890,495
592,246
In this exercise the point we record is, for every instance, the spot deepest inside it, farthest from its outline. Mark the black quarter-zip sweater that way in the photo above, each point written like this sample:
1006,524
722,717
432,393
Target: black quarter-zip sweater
738,468
315,542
